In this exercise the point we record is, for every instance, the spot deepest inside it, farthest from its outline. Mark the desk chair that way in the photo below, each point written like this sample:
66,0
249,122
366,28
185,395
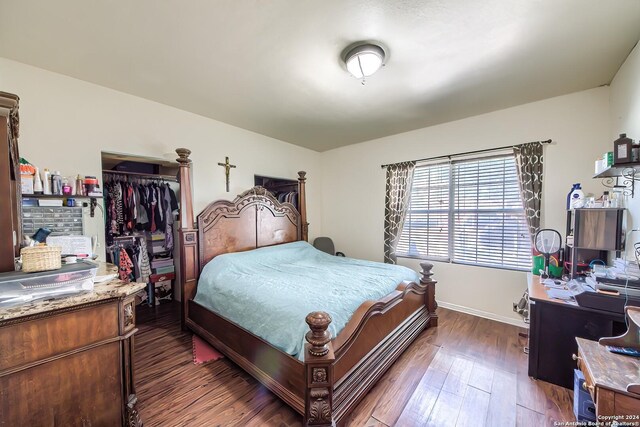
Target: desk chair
325,244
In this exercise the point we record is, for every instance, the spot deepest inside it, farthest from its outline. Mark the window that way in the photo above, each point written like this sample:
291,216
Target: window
467,212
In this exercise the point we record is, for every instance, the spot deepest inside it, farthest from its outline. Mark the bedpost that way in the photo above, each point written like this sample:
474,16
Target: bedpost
426,280
302,205
188,237
318,361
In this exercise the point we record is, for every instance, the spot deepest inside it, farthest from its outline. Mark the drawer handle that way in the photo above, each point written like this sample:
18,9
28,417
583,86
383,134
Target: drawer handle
575,357
587,387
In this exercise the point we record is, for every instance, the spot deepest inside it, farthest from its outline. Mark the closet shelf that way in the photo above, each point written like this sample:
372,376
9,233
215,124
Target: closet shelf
141,175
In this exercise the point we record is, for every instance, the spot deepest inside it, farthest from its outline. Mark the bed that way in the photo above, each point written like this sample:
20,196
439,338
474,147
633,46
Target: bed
325,377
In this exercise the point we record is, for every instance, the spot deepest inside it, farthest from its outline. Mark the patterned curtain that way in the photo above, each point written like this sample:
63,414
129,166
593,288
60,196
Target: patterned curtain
529,165
399,179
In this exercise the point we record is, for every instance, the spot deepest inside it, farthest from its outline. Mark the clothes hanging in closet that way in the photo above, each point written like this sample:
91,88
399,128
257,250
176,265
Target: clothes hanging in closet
287,197
124,265
131,207
132,259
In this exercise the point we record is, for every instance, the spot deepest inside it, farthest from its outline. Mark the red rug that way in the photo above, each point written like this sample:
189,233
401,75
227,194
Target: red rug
203,352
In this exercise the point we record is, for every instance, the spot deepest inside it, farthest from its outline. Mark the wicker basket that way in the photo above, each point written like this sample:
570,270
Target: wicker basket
41,258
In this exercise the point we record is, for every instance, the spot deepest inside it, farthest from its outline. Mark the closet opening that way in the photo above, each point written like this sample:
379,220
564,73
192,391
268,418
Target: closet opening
283,189
141,213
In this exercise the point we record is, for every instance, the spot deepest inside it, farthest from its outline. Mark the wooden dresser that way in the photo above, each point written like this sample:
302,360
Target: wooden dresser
69,362
607,376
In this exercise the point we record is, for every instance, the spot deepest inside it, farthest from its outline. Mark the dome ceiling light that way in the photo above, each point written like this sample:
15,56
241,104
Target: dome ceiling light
364,60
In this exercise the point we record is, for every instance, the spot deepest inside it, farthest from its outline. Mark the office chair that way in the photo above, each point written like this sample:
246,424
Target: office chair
325,244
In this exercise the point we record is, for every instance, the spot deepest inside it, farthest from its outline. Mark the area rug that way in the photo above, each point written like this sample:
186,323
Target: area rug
203,352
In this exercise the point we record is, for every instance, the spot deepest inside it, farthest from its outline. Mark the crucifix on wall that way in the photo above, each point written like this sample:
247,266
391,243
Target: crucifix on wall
227,169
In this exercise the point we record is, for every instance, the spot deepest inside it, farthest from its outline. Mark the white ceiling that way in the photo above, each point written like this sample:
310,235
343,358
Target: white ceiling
273,66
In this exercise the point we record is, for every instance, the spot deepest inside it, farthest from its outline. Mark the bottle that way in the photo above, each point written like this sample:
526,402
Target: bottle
59,183
46,181
66,187
56,183
569,195
606,202
613,200
577,197
79,186
37,182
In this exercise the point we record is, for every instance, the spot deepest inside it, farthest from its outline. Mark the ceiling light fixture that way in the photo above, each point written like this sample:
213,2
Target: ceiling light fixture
363,60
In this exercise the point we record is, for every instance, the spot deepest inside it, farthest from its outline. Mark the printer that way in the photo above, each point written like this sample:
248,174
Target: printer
606,294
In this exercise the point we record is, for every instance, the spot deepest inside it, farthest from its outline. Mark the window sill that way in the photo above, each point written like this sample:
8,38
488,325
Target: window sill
448,261
445,260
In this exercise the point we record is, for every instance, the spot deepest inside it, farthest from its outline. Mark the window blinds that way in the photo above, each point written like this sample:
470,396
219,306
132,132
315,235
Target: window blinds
489,224
426,227
467,212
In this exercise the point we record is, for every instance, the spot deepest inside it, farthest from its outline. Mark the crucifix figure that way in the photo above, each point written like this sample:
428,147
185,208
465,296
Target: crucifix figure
227,169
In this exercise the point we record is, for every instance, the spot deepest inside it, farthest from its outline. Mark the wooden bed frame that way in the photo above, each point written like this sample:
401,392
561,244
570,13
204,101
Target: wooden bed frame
336,372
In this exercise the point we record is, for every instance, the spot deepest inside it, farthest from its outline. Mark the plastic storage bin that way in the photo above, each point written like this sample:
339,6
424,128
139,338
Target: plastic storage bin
19,288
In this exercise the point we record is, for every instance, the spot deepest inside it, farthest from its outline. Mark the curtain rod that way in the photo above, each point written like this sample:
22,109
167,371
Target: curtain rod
486,150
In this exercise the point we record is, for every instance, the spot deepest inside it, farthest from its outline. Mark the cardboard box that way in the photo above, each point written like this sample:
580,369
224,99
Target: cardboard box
26,182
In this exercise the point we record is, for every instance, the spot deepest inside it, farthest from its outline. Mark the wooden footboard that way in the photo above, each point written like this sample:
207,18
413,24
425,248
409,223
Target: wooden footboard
331,382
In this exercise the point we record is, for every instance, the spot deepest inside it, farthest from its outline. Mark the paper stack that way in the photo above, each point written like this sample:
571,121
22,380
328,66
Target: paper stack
624,269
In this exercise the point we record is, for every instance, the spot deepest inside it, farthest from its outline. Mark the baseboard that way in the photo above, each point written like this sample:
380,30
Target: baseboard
485,314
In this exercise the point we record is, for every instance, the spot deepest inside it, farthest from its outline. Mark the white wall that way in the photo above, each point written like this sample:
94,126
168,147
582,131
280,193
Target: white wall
353,184
625,118
65,123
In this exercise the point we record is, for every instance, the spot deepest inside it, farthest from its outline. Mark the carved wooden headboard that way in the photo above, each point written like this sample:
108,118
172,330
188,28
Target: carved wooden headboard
253,220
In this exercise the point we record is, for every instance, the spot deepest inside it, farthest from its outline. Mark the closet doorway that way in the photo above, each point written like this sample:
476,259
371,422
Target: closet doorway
141,212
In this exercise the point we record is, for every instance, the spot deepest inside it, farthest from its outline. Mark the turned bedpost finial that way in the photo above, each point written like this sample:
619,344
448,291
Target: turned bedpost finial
318,336
183,155
302,205
430,295
426,272
186,197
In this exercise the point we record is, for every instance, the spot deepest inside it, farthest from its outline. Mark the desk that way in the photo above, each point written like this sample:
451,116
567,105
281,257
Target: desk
554,326
69,361
606,378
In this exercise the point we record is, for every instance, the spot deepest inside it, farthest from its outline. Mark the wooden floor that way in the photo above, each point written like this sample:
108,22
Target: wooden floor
468,371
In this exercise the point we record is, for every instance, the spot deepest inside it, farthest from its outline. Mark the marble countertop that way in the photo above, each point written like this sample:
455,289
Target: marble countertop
114,288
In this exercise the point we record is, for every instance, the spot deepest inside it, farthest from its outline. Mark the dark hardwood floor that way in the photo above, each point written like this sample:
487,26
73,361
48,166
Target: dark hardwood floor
468,371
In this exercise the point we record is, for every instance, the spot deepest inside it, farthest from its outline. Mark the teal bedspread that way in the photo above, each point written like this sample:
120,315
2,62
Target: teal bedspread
269,291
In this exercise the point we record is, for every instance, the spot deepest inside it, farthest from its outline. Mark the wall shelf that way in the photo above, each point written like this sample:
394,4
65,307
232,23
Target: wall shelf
621,177
55,196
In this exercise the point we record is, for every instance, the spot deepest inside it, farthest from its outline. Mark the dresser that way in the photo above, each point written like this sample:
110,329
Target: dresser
69,361
606,377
